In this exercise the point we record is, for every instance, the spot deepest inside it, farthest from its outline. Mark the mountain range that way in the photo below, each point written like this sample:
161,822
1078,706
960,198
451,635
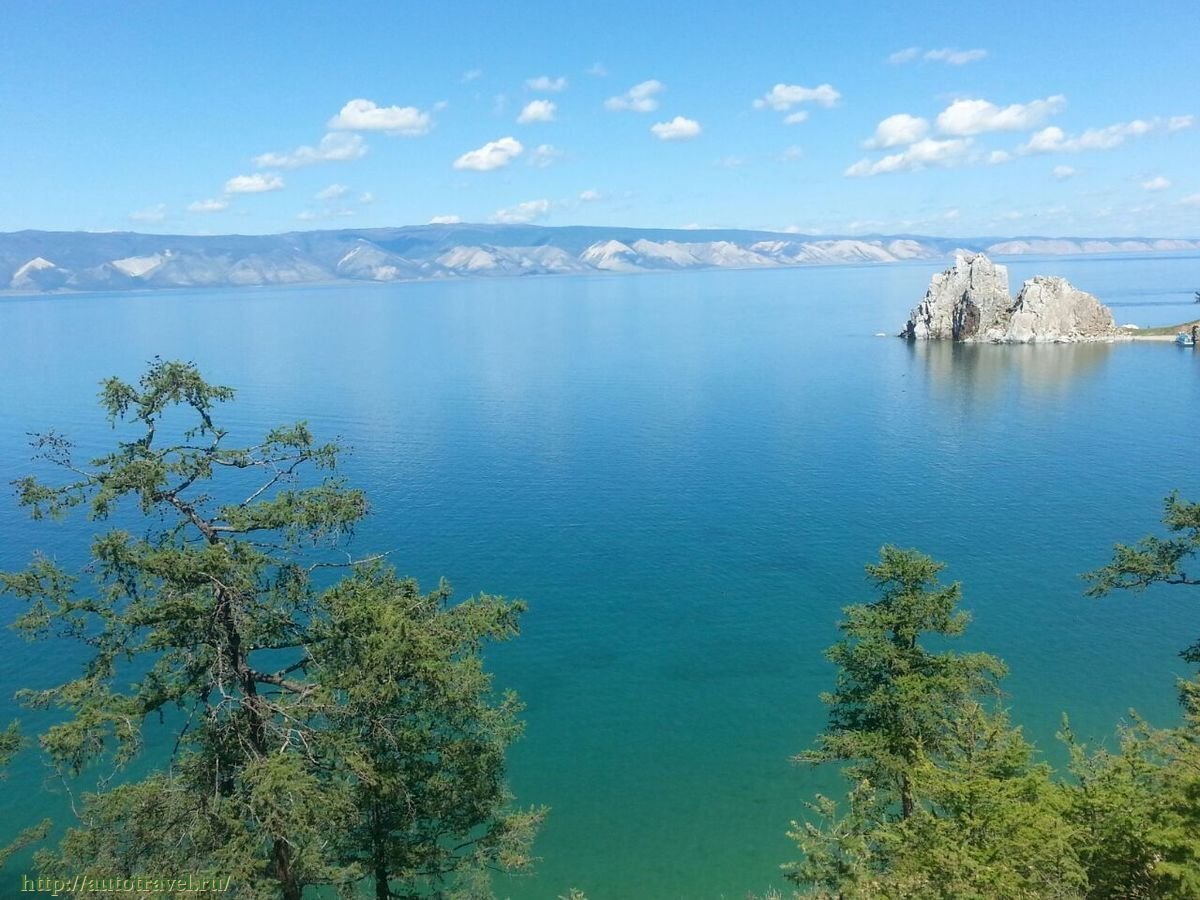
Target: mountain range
46,261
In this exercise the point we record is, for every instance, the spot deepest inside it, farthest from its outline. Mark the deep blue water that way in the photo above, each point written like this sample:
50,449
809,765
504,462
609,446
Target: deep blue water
684,475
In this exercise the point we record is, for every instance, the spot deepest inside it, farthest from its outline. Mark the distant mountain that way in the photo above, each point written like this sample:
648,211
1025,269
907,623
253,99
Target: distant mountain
40,261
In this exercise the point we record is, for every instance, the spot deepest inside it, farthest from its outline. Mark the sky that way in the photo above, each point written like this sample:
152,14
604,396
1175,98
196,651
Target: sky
996,119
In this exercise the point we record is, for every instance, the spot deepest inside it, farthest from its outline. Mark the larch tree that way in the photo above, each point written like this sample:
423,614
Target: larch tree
324,731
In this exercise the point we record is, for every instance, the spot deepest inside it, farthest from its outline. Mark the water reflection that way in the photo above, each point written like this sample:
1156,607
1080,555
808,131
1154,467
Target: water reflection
983,370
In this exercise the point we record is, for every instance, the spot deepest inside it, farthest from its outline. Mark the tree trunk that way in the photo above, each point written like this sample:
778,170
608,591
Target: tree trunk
908,805
382,891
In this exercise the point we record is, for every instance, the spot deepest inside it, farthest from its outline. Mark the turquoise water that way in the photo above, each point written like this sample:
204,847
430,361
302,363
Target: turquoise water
683,474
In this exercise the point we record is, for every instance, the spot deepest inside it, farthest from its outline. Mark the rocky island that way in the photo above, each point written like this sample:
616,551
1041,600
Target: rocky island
970,302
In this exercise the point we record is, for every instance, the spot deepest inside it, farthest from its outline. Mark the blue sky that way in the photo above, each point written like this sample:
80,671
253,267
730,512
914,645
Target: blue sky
984,119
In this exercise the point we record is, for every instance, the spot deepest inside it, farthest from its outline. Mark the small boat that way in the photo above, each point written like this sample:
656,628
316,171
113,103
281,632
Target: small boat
1183,339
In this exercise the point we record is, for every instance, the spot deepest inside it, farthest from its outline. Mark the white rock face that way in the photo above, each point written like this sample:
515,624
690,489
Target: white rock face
970,302
1050,309
966,299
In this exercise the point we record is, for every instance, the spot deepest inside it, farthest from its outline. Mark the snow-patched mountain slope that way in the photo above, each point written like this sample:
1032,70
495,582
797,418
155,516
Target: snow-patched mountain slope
49,261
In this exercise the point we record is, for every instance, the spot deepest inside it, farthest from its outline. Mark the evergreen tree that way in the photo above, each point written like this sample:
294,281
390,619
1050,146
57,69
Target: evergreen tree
893,697
298,709
948,801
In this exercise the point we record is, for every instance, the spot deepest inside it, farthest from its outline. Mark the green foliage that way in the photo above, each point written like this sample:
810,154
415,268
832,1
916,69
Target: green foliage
10,744
948,800
892,698
324,735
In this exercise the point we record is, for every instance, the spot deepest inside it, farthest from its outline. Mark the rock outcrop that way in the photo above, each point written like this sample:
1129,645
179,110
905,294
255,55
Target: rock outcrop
970,302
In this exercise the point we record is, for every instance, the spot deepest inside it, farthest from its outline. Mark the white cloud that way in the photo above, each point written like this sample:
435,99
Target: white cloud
678,129
948,55
597,70
333,192
492,155
1191,200
783,97
590,195
791,154
311,215
639,98
1062,173
332,148
153,214
731,162
445,220
966,117
1053,139
795,118
522,213
926,152
546,83
470,75
537,111
259,183
1157,183
898,130
366,197
1178,123
950,214
955,57
544,155
908,54
208,206
365,115
997,157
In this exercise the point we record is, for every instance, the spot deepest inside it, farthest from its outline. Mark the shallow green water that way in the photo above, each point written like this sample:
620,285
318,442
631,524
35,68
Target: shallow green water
684,475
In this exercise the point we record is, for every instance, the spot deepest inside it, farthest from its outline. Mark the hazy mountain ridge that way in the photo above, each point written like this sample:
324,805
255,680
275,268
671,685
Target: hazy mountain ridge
33,261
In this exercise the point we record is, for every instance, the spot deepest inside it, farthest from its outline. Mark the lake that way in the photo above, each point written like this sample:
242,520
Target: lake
684,475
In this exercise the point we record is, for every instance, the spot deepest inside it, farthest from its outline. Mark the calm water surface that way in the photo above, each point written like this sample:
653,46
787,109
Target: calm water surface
684,475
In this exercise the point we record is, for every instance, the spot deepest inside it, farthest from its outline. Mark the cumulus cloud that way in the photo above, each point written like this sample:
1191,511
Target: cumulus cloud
1062,173
334,147
365,115
1053,139
590,195
639,98
1178,123
546,83
208,206
366,197
259,183
544,155
522,213
492,155
1191,200
923,153
445,220
597,70
678,129
153,214
332,192
997,157
783,97
470,75
1157,183
967,117
948,55
898,130
537,111
795,118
